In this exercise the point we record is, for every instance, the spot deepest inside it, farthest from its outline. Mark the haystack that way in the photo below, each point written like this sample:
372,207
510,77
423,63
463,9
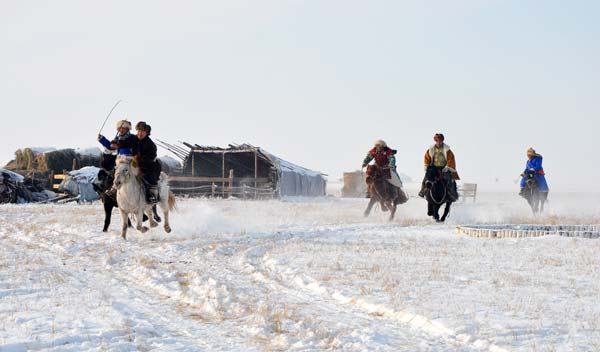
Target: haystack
47,160
354,184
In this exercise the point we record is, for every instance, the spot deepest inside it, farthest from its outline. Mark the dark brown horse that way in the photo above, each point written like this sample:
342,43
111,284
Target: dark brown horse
380,190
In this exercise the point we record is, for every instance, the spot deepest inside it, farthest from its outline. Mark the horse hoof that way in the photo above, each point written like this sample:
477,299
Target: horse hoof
168,229
144,229
124,236
104,230
157,219
153,224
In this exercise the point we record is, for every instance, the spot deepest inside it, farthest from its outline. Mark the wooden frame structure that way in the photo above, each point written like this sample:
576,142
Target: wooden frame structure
243,171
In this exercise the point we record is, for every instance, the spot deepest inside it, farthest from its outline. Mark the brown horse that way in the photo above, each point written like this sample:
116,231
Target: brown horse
380,190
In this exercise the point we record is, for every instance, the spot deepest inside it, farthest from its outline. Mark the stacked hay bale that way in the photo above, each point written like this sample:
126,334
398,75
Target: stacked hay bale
41,164
354,184
28,160
57,161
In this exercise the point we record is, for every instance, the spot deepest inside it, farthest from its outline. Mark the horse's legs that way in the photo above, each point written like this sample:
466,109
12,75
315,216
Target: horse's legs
430,209
167,226
148,211
436,212
155,214
125,220
446,211
542,202
393,208
535,205
108,207
139,219
372,202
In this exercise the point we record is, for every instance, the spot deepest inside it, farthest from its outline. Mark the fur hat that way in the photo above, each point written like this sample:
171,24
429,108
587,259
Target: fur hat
125,124
143,126
380,142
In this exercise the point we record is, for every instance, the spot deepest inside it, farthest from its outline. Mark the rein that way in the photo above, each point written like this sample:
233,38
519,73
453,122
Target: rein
441,201
433,198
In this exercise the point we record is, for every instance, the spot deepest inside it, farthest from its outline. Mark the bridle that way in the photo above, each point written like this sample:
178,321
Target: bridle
439,179
126,175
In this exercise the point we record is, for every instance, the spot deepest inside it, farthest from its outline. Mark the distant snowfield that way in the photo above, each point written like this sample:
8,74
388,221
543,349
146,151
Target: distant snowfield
297,275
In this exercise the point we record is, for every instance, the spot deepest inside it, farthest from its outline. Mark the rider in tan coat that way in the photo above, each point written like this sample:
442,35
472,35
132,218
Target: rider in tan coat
440,156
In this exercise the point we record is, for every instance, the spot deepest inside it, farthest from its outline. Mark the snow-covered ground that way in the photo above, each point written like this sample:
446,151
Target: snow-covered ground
297,275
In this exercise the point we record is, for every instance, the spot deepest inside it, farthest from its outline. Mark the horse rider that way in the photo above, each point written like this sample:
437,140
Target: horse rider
123,133
385,158
108,158
144,152
534,164
440,157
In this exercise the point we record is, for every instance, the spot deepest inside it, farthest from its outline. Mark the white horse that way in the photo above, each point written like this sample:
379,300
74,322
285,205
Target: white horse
132,199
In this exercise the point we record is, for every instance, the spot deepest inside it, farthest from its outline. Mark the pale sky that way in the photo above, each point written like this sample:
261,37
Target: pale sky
315,82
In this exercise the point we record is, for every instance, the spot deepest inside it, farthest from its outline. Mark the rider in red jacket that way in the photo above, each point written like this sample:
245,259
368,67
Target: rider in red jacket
385,158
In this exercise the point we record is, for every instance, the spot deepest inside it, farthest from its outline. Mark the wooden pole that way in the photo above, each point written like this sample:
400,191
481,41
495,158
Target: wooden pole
223,175
193,169
230,183
255,174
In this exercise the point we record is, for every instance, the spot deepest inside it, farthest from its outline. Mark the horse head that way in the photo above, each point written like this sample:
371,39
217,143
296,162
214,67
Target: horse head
373,174
530,180
126,169
433,174
103,181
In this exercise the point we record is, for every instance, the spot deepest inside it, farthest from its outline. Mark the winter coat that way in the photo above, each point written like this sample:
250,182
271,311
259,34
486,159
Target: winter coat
144,151
121,151
386,158
450,159
535,164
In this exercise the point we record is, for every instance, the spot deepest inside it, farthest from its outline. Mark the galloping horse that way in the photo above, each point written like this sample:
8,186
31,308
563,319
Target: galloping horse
380,190
132,199
438,192
531,192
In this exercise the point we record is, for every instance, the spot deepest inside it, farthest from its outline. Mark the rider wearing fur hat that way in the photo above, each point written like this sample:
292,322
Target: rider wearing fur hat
144,152
123,133
385,158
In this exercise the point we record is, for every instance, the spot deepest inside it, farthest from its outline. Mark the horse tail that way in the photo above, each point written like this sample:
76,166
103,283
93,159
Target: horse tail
172,202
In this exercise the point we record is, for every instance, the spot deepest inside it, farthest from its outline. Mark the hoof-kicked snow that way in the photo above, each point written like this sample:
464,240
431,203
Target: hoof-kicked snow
306,275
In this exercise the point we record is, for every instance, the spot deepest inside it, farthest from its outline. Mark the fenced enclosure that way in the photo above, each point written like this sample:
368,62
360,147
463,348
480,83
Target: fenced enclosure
520,231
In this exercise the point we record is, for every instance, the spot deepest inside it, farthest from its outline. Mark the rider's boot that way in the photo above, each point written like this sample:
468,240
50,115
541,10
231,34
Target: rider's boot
424,189
152,194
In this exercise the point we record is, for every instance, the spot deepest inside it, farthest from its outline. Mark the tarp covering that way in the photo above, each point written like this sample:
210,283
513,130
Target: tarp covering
80,183
294,180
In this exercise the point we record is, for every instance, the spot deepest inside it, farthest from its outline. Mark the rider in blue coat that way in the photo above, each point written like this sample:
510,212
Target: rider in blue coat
534,163
123,128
